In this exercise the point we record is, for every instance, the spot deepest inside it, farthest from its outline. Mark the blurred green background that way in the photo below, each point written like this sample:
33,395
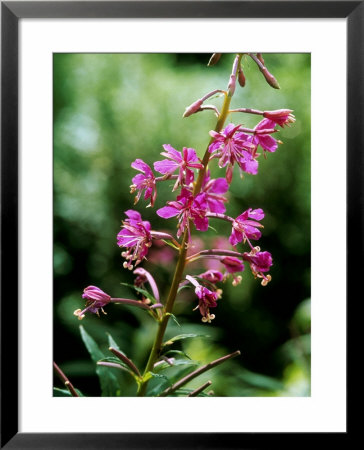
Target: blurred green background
110,109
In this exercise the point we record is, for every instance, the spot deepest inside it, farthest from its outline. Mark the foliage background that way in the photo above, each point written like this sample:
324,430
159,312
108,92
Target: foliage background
110,109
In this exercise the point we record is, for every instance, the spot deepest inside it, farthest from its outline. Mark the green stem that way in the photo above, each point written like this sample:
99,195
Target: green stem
157,345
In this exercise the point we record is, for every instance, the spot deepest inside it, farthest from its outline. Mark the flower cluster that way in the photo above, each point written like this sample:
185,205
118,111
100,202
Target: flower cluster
199,198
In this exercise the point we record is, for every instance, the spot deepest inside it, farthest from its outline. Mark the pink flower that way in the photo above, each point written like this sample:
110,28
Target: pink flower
232,264
260,262
184,162
266,141
143,181
214,190
206,299
245,226
280,116
185,208
230,147
95,299
213,276
136,237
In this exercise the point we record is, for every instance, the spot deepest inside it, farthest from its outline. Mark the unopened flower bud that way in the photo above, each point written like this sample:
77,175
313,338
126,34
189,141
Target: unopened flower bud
270,78
241,77
192,109
231,85
214,59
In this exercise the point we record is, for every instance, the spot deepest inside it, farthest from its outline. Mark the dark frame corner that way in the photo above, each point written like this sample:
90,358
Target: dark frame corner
11,12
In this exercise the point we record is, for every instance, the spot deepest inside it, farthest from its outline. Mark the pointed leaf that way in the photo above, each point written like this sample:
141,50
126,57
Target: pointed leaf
186,286
212,228
57,392
170,244
177,362
162,383
174,318
112,343
108,381
180,337
177,352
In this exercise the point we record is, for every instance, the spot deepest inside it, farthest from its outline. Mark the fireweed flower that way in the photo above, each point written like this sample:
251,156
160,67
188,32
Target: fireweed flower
136,236
265,140
214,190
230,147
185,208
95,299
245,226
233,265
280,116
184,161
213,276
143,181
260,262
206,299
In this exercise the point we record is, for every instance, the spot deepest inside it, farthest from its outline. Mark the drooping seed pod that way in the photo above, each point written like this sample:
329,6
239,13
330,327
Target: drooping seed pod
214,59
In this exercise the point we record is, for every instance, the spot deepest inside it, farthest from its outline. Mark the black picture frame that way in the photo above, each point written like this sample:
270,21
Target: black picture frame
11,12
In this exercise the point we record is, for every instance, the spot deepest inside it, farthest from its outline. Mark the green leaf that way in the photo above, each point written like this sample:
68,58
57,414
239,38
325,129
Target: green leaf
170,244
157,375
57,392
113,344
174,318
186,286
162,383
181,337
177,362
177,352
142,291
108,381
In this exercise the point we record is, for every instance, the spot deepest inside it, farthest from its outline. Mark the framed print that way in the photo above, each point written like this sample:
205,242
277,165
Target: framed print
93,95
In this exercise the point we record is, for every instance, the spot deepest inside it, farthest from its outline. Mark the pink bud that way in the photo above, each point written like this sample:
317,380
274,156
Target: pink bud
192,109
270,79
229,173
232,84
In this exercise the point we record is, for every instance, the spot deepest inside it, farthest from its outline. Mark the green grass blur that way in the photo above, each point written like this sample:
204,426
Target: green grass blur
110,109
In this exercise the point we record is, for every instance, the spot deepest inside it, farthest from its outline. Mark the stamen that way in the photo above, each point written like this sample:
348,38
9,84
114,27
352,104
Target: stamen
78,313
237,280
